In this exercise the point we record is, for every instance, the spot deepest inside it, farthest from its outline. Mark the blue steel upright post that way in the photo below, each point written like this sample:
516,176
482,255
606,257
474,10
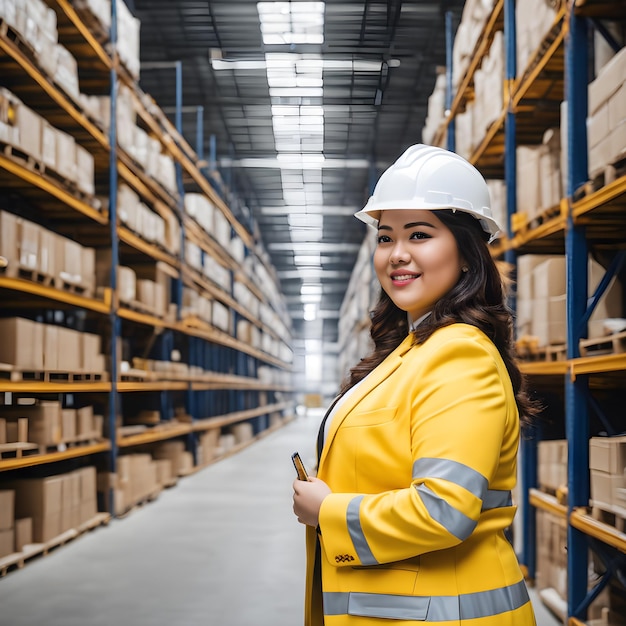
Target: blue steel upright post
450,137
113,317
576,391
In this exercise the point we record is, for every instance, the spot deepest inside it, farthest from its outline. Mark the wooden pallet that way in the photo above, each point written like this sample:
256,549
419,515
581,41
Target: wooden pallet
28,161
8,372
601,178
151,497
528,349
18,450
610,515
609,344
521,223
17,560
14,36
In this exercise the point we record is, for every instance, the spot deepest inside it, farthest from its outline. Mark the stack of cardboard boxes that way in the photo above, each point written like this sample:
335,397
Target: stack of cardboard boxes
32,249
53,504
541,299
606,124
32,346
48,424
607,462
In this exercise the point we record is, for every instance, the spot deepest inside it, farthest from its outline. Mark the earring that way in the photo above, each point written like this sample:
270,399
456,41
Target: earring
465,269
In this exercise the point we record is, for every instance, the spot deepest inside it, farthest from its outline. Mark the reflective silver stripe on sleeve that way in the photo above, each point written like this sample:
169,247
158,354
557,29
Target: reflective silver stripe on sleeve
428,609
496,499
353,520
455,522
453,472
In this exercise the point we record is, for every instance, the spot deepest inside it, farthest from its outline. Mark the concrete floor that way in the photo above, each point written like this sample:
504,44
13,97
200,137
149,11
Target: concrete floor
220,548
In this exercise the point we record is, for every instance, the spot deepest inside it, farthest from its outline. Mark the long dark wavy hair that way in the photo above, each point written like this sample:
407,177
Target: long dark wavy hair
479,298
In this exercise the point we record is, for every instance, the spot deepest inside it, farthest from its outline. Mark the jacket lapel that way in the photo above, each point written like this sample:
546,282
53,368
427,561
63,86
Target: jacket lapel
374,378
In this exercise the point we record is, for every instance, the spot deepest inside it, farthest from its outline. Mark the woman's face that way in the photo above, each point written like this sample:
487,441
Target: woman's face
417,260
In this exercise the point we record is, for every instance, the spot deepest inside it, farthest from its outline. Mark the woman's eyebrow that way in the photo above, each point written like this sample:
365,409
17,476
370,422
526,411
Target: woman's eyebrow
414,224
407,226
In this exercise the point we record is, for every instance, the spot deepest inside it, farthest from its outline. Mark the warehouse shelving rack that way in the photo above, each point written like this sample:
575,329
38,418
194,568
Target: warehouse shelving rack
230,365
557,71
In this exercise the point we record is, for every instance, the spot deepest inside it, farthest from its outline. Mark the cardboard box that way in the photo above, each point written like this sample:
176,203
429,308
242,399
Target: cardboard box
21,344
608,454
549,320
69,261
50,347
84,421
8,238
69,350
126,284
7,542
85,176
28,244
47,252
44,421
605,487
29,124
23,533
41,499
90,349
68,424
549,278
7,508
608,81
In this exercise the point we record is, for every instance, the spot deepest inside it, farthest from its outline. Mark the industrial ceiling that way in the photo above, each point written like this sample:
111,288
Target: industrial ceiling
303,104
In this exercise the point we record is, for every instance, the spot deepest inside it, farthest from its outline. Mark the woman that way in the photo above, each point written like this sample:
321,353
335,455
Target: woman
406,519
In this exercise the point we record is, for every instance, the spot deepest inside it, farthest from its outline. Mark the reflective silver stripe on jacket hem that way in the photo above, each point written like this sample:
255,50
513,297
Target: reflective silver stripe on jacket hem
428,608
455,522
356,532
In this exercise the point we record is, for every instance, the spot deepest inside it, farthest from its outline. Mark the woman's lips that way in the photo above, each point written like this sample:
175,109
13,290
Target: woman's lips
403,277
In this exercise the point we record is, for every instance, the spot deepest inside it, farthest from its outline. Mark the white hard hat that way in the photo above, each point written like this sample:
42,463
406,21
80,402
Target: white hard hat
426,177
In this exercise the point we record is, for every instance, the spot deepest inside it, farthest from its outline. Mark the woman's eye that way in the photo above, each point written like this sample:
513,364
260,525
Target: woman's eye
419,235
383,239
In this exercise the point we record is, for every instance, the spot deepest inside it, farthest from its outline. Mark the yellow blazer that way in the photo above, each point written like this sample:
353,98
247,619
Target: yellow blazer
421,459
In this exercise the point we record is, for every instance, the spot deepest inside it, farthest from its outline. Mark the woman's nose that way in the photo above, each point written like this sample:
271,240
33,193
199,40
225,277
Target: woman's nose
398,254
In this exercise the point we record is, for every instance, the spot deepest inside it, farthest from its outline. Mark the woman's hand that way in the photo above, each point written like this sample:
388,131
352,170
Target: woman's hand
307,500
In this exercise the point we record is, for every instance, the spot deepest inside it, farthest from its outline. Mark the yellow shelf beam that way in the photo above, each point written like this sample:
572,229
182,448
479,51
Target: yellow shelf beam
149,385
57,295
37,386
239,416
597,364
544,368
35,179
127,236
156,434
594,528
53,457
601,197
546,502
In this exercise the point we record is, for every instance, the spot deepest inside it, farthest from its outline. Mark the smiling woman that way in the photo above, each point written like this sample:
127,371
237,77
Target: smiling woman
407,517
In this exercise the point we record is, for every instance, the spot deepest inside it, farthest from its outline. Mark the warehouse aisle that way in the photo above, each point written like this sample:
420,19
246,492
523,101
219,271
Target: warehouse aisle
220,549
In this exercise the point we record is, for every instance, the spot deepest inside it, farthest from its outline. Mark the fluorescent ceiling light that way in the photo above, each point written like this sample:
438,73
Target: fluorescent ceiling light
311,299
311,289
290,162
310,312
310,260
296,92
291,22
